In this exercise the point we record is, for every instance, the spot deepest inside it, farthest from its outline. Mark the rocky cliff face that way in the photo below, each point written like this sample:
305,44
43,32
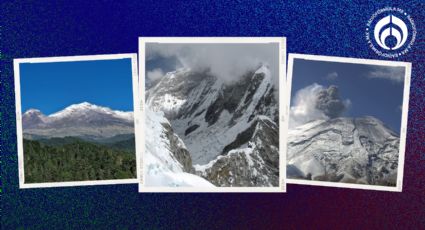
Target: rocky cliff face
166,161
256,164
177,148
351,150
230,130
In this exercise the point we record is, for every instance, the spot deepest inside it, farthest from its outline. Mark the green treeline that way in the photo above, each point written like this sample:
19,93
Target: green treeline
75,160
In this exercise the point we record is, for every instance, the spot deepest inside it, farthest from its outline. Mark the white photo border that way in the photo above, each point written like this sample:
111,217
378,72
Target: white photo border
403,130
283,123
19,130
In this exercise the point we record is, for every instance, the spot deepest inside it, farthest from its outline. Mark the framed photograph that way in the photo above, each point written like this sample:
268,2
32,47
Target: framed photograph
211,114
74,118
347,122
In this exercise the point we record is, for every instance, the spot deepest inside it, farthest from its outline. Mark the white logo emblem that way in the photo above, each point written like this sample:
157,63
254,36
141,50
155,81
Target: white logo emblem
399,33
390,32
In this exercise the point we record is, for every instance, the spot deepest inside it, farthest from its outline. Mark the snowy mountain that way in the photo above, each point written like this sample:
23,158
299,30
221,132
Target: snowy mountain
350,150
80,120
229,129
255,163
167,161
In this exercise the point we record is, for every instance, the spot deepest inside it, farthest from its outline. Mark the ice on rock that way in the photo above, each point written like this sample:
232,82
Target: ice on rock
230,130
165,163
351,150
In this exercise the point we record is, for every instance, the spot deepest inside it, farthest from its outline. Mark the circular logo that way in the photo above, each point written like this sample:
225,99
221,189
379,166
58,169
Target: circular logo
390,32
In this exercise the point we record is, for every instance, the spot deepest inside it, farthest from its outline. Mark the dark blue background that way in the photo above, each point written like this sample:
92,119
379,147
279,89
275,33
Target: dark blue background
67,28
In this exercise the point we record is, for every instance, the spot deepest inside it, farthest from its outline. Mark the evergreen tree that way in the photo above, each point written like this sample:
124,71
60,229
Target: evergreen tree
76,160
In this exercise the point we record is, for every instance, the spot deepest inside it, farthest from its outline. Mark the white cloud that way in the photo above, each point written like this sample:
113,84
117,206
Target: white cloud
155,74
304,105
227,61
395,74
332,76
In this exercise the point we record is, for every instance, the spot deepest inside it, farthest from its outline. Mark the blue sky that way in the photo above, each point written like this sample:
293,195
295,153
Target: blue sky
51,87
372,90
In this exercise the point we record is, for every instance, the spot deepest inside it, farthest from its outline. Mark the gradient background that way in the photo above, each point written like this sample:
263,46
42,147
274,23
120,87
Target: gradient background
66,28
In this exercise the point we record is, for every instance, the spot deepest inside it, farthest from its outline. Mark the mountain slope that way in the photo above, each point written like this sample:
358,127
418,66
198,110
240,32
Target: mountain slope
253,164
82,120
208,114
351,150
218,123
167,161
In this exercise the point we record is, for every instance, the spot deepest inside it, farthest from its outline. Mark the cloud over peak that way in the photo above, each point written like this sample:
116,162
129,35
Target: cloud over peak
329,102
227,61
155,74
316,102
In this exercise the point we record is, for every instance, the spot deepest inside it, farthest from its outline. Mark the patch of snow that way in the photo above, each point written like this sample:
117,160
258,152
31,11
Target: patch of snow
161,167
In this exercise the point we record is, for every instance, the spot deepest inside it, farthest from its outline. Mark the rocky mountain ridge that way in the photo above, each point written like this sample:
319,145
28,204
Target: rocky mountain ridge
81,120
230,130
351,150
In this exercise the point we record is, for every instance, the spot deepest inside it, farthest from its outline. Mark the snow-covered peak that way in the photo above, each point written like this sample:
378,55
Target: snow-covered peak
82,120
177,72
33,117
370,125
263,74
33,112
353,150
174,90
263,69
371,120
207,112
85,107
